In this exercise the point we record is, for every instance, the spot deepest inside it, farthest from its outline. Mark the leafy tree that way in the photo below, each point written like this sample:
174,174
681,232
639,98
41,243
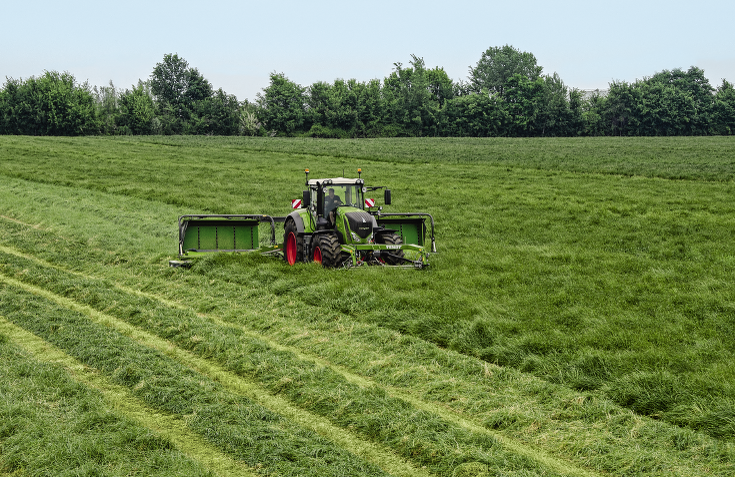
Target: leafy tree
370,107
170,80
410,108
663,110
137,110
618,114
218,114
478,115
177,88
197,88
498,65
668,103
560,111
462,88
522,99
685,101
441,87
53,104
248,116
283,105
346,109
333,107
724,109
592,122
106,99
187,102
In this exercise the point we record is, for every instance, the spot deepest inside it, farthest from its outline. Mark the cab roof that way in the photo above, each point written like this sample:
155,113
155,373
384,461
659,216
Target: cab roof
336,181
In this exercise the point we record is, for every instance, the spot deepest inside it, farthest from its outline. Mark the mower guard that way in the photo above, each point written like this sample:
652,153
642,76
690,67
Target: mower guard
202,234
410,226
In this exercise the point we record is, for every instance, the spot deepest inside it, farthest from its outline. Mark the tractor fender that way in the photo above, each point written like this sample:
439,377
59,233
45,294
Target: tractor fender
298,217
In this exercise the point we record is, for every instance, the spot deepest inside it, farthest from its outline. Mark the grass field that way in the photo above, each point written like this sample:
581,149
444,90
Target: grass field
577,319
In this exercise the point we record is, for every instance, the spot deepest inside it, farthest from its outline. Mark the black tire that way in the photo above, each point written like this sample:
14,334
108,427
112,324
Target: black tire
326,250
391,257
291,235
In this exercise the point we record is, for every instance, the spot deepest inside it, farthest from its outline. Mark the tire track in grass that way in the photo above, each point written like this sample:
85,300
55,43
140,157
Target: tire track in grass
120,399
369,451
542,458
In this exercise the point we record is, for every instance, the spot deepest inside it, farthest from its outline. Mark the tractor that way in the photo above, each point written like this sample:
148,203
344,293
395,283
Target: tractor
333,224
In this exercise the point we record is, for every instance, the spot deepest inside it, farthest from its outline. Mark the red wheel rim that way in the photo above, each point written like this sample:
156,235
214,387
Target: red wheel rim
318,255
291,248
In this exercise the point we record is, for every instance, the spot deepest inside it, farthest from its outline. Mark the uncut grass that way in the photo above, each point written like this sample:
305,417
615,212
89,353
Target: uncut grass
622,285
247,431
52,425
461,384
417,435
692,158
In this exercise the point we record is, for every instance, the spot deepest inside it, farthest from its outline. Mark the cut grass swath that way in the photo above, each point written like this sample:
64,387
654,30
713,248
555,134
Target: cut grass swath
347,440
261,439
418,435
51,424
453,382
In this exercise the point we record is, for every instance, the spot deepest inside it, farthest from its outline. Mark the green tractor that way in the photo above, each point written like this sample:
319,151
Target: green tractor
333,224
336,225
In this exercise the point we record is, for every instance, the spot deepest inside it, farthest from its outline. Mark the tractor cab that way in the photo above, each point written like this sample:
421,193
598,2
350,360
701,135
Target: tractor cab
338,204
328,194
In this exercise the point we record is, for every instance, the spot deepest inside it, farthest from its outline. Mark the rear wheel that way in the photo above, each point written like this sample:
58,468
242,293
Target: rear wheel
326,250
293,244
391,257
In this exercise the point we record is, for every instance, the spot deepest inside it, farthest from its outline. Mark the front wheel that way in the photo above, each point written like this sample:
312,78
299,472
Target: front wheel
293,244
326,250
392,257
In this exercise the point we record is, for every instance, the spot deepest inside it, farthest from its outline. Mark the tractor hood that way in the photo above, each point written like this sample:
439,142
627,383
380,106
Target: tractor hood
360,222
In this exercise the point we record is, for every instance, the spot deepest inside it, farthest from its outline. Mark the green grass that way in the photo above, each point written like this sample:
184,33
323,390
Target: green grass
417,435
50,424
354,403
601,265
691,158
622,442
245,430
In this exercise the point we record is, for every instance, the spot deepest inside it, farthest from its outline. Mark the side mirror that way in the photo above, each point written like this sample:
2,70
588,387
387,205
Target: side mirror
306,199
386,196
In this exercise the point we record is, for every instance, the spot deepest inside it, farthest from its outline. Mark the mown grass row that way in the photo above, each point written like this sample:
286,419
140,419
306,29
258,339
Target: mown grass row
169,428
420,436
605,437
174,427
247,431
50,424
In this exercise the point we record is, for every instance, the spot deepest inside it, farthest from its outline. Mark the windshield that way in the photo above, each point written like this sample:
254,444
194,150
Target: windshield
345,194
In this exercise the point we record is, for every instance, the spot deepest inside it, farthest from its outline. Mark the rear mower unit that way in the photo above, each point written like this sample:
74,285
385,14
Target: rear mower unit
333,224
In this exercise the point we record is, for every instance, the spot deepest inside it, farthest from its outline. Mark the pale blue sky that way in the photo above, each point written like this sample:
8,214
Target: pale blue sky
235,45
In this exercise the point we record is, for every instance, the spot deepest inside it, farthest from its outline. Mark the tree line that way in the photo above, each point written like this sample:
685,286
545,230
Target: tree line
505,94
